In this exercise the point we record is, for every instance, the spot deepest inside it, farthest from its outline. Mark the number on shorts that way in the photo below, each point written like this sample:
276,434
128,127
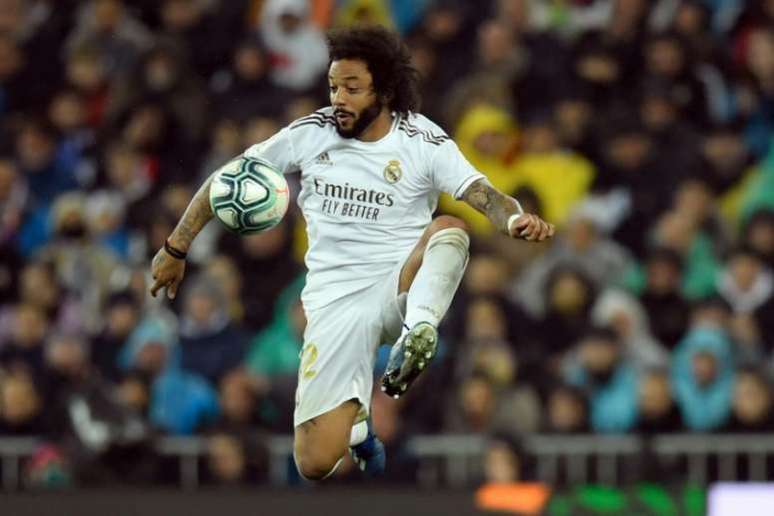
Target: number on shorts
308,358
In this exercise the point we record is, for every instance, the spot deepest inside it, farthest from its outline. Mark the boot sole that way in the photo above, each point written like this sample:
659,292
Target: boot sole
418,350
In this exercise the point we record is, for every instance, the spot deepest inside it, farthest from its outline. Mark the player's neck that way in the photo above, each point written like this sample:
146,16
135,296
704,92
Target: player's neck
378,128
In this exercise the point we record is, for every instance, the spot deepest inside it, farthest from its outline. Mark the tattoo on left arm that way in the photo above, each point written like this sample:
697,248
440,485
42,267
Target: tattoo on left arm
489,201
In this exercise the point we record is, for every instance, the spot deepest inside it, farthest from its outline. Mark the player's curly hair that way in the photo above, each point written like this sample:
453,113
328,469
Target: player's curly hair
388,59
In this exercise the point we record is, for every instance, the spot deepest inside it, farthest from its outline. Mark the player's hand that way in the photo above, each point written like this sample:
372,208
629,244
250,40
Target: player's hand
532,228
167,272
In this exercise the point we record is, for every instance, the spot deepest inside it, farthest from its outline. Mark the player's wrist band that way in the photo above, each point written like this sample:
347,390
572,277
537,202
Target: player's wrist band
173,252
515,216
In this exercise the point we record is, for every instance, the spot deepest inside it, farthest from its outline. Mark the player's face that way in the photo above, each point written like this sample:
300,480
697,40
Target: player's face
355,103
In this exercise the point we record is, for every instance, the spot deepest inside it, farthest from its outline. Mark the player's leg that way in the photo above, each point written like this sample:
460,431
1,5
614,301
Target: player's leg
430,278
321,442
414,262
366,449
335,384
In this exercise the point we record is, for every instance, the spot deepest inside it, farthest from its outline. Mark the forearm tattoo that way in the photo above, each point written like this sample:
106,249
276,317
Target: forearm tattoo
196,215
497,206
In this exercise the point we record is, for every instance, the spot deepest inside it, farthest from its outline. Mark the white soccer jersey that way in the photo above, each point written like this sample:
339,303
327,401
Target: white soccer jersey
365,203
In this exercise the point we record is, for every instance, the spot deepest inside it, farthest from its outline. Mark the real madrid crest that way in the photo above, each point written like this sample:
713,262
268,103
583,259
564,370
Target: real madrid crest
392,172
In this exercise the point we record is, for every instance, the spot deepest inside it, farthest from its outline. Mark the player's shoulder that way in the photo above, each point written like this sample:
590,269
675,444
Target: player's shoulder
315,121
420,129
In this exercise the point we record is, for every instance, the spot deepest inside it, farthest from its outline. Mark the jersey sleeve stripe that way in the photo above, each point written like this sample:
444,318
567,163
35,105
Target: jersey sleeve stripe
427,136
318,116
313,117
319,122
408,123
309,118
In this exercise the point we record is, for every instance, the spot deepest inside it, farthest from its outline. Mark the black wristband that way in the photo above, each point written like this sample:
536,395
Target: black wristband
174,253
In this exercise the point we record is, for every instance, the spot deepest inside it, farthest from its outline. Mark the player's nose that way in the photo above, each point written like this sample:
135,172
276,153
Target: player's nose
338,99
338,102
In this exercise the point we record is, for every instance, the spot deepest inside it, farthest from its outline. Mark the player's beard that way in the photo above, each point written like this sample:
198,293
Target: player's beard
363,120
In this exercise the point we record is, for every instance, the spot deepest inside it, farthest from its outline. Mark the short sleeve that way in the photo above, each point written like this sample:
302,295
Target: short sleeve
450,171
277,150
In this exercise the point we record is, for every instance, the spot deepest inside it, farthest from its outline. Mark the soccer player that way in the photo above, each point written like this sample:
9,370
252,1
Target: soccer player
381,269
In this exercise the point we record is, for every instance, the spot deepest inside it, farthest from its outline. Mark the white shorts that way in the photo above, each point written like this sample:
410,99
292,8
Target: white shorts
341,341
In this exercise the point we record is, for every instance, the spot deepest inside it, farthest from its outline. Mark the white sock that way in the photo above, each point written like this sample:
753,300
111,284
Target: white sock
443,265
359,433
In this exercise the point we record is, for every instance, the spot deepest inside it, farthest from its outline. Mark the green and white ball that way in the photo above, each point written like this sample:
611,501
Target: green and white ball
249,195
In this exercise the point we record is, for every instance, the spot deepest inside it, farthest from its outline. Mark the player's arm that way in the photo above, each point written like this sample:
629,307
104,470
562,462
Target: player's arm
196,216
506,213
168,266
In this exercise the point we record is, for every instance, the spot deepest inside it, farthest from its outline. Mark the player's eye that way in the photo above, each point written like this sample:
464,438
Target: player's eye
353,90
333,89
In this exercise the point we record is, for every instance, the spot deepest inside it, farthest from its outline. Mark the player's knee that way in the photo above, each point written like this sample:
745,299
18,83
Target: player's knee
447,222
449,231
312,470
316,466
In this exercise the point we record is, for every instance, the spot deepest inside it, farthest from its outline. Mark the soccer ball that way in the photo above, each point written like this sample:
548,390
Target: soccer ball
248,195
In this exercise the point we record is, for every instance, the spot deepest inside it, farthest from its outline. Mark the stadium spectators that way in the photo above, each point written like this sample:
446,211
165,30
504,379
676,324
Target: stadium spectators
642,128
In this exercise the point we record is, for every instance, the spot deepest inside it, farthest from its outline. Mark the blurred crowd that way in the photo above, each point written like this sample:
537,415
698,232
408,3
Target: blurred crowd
642,129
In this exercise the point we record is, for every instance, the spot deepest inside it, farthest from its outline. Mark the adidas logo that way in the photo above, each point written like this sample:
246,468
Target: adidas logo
323,159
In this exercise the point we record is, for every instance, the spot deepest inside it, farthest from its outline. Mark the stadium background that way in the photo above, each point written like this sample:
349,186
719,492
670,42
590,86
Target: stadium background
635,347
